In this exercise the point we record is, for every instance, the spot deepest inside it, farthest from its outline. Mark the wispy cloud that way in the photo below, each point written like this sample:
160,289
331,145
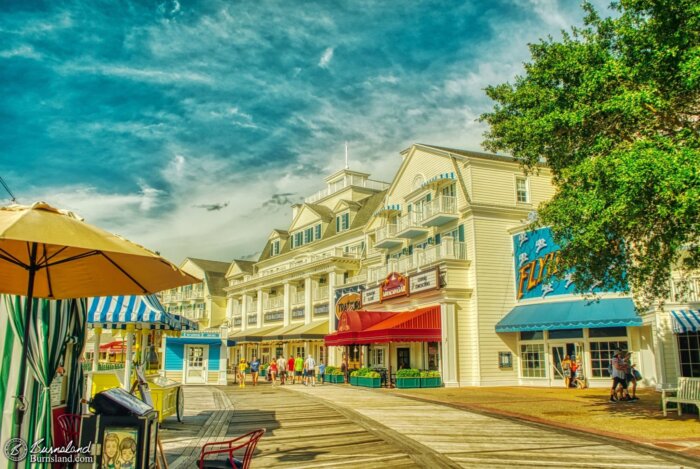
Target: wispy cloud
326,58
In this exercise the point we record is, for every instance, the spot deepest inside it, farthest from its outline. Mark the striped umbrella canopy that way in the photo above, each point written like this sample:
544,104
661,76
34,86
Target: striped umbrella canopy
141,311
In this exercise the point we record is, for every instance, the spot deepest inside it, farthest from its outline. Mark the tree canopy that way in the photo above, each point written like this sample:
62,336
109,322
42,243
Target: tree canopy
613,109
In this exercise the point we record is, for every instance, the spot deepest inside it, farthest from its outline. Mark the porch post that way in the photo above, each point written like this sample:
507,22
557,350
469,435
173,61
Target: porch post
448,322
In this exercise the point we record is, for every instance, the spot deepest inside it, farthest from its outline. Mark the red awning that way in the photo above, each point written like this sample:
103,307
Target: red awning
351,323
421,325
113,347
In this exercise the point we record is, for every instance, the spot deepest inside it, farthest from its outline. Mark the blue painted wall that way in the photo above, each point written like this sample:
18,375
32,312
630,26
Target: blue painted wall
174,354
214,357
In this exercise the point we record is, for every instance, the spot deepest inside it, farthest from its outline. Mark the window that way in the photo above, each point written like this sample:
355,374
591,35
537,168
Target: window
457,234
377,357
342,222
566,334
298,239
308,235
607,332
531,335
532,361
521,190
275,247
601,354
449,191
317,230
689,354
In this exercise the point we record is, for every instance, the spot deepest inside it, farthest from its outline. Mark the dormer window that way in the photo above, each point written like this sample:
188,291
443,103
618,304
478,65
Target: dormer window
275,247
306,236
342,222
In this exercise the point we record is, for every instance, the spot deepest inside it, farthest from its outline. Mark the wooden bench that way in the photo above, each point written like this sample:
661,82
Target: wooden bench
687,392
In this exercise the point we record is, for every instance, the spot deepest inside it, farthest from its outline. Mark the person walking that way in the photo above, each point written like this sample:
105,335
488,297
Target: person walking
617,367
298,368
630,377
255,370
242,366
566,369
282,369
310,371
272,369
322,372
290,369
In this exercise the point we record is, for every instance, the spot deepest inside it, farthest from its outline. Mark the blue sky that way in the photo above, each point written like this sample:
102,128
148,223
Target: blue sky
141,116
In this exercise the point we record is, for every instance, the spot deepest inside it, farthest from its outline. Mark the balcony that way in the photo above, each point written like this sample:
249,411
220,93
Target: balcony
320,294
252,319
685,292
440,211
411,225
421,258
275,302
362,278
299,298
385,237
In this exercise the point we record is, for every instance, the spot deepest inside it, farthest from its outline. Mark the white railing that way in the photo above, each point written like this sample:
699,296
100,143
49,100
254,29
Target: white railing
441,204
299,298
305,259
687,291
340,185
362,278
320,294
410,220
388,231
274,302
447,250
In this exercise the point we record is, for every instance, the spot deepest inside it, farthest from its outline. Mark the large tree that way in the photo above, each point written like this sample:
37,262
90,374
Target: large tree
613,109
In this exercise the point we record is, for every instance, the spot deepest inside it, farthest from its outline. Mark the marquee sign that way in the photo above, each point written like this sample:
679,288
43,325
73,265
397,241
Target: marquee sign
394,286
370,296
348,302
424,281
201,334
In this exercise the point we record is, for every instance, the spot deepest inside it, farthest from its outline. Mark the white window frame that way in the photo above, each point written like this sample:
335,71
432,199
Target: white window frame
526,180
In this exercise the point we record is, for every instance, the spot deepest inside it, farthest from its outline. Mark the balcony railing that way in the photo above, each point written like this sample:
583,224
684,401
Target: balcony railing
687,291
447,250
305,259
410,225
440,211
320,294
275,302
340,185
362,278
299,298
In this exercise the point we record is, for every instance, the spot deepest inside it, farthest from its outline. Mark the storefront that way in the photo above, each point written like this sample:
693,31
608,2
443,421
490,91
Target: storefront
196,357
298,339
550,322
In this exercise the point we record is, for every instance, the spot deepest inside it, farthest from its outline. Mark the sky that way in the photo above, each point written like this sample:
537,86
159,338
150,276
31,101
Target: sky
190,127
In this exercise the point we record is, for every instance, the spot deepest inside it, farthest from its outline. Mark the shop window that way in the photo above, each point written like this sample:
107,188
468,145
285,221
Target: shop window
532,360
377,357
601,354
433,356
300,352
689,353
607,332
531,335
566,334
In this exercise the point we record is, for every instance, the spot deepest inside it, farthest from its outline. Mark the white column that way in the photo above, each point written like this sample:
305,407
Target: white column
448,323
308,299
331,302
127,365
144,345
96,349
245,301
261,296
287,303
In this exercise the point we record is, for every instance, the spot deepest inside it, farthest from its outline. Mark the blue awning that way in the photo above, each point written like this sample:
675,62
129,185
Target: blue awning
685,320
195,340
611,312
143,312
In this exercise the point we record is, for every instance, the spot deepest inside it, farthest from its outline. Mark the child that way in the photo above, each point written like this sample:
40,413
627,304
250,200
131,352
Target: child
127,452
241,372
322,372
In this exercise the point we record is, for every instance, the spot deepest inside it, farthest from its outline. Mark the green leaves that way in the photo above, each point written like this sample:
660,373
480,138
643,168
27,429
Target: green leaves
614,110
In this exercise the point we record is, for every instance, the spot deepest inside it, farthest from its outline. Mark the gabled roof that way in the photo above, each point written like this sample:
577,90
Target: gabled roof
243,266
469,153
342,204
324,212
214,274
369,206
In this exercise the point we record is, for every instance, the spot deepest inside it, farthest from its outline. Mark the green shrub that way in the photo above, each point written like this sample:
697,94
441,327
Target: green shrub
408,373
330,369
373,374
355,373
336,372
361,372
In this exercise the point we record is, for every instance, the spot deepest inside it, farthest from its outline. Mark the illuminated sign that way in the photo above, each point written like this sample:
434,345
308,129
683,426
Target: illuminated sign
393,286
348,302
536,257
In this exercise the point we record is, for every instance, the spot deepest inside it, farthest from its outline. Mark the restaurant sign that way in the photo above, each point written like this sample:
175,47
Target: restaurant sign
370,296
394,286
201,334
424,281
348,302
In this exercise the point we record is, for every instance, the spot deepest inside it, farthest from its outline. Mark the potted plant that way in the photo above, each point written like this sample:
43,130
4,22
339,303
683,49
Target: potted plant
408,378
430,379
355,375
371,379
334,375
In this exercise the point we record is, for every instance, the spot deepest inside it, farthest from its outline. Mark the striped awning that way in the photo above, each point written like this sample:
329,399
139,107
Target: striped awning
388,210
143,312
440,178
685,320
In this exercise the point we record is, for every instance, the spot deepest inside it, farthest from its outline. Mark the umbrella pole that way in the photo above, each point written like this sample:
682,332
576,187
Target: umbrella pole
21,405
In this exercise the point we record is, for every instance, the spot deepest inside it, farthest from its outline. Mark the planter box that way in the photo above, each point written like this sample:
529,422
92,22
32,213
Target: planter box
430,382
353,380
335,379
369,382
408,383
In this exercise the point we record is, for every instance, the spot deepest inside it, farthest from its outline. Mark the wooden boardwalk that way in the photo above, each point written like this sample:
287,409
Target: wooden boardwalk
339,426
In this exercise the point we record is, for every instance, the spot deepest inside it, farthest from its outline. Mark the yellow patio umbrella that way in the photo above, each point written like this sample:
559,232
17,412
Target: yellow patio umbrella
50,253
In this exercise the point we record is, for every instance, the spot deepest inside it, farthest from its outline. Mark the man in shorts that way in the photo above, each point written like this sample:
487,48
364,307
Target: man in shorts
618,376
310,371
255,370
298,368
282,369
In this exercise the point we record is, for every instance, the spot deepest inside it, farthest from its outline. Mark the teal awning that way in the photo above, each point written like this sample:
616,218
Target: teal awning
611,312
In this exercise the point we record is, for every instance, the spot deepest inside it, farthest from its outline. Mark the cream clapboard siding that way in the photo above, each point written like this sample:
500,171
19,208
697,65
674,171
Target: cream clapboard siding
667,341
496,293
493,183
304,218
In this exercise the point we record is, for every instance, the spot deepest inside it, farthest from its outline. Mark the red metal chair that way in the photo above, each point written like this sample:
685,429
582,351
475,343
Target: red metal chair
248,441
69,425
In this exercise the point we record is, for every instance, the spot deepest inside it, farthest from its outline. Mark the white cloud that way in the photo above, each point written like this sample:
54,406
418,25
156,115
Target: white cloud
28,52
326,57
